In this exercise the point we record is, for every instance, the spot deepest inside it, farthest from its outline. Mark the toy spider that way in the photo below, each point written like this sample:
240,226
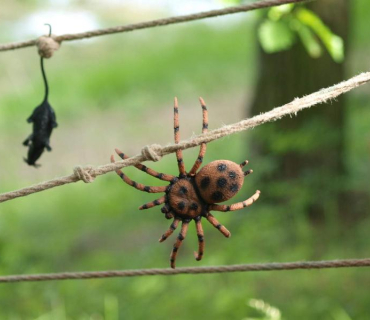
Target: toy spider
192,195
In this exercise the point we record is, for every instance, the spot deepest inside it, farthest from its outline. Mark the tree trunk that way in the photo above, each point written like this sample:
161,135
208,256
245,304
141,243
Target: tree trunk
307,150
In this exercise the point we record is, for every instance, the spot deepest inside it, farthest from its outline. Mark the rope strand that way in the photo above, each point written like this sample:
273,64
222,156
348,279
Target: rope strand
155,152
276,266
155,23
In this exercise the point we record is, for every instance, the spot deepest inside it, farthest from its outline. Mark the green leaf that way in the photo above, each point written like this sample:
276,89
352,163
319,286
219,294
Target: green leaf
269,312
275,36
308,39
332,42
275,13
232,2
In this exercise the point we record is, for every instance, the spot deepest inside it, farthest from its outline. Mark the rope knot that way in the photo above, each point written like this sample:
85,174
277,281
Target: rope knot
152,152
47,46
86,174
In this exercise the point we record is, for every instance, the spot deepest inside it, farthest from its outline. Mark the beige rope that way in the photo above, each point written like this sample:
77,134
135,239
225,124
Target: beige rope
152,152
47,45
155,152
155,23
86,174
190,270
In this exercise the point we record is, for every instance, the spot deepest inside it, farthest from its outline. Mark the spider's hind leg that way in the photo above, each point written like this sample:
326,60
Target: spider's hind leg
218,225
203,146
176,128
235,206
242,165
180,238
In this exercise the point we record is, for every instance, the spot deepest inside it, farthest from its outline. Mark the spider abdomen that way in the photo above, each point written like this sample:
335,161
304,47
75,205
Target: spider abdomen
219,181
184,200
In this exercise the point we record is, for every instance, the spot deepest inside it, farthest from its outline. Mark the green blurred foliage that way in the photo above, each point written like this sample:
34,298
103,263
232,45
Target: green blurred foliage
117,92
268,312
284,24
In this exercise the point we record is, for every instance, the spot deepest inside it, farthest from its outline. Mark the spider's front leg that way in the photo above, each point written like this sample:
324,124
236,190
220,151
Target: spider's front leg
153,173
154,203
180,239
235,206
170,230
136,185
200,234
167,211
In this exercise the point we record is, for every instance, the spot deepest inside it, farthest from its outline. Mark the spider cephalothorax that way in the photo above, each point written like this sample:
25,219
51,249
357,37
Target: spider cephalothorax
192,195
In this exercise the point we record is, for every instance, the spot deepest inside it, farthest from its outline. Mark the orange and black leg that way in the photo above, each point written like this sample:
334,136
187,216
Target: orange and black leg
218,225
137,185
154,203
235,206
242,165
176,128
180,238
161,176
200,234
203,146
170,230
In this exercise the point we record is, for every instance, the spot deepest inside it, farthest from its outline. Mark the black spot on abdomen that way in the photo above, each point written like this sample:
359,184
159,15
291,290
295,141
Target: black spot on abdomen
217,196
205,182
183,190
232,174
181,205
194,206
221,182
234,187
221,167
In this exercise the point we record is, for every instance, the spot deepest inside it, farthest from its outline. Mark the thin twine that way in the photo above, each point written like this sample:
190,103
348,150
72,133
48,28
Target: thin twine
155,152
350,263
154,23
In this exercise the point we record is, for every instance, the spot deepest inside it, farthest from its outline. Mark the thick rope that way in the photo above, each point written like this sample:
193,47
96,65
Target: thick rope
155,23
152,153
47,45
155,152
190,270
86,174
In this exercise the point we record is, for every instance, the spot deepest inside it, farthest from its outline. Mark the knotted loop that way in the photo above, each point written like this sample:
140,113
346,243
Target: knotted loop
47,46
86,174
152,152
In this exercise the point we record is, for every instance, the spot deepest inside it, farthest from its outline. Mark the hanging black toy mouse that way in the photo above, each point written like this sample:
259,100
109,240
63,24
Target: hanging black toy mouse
44,121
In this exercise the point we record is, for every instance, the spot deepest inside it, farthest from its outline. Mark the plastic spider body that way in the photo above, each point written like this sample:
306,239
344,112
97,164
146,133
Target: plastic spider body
192,195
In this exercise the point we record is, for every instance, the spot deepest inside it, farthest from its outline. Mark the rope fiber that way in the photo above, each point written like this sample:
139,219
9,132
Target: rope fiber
190,270
153,23
155,152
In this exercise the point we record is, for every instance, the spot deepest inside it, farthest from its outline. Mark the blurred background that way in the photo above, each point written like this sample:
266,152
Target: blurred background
118,90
